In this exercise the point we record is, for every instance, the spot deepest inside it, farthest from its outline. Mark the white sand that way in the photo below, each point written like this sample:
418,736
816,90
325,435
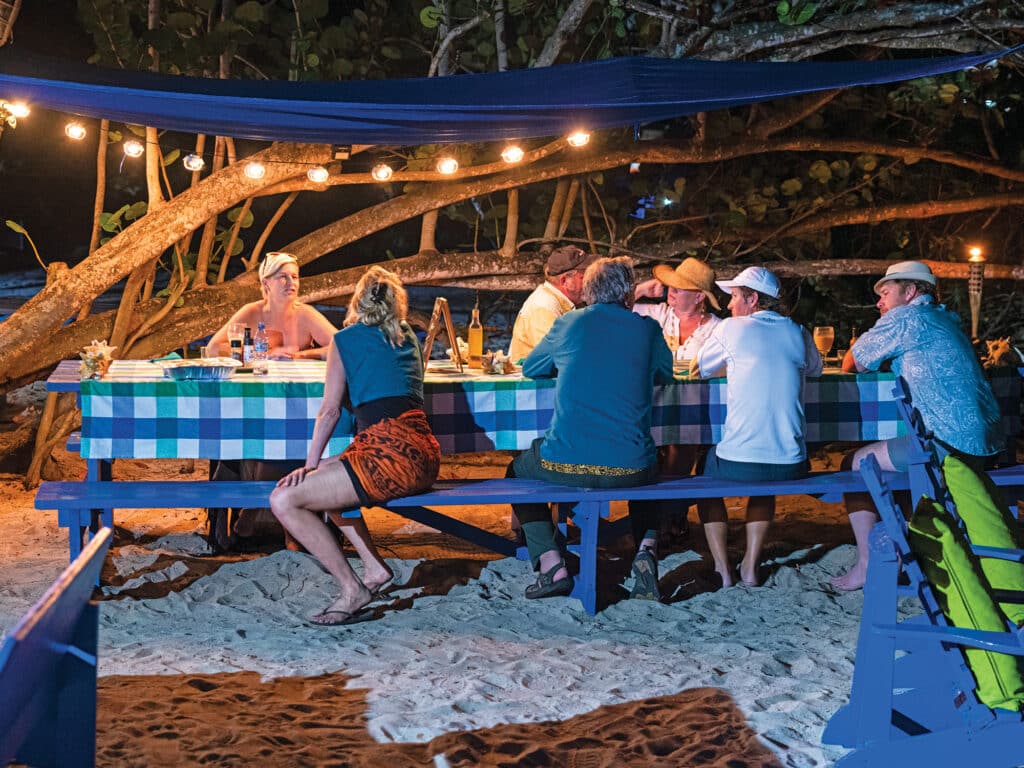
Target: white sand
478,656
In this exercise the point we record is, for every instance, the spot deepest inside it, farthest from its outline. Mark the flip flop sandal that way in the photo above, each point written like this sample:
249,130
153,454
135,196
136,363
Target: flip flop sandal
645,577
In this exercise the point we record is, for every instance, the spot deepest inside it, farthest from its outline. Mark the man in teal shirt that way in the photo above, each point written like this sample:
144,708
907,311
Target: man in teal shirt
606,361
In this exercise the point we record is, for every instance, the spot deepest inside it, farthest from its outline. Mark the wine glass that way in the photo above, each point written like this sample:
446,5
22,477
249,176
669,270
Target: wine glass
824,338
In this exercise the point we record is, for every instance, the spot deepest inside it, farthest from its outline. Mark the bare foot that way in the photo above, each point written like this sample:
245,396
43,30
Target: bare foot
377,578
852,580
748,575
726,577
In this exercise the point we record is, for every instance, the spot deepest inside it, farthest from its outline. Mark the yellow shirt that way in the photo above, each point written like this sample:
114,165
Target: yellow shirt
540,310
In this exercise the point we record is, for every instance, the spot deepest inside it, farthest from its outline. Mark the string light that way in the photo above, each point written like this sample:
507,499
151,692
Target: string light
10,112
75,131
317,174
194,162
254,169
133,148
382,172
447,165
512,154
578,139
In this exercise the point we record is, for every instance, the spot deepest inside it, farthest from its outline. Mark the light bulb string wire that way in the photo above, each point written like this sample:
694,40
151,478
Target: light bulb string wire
398,174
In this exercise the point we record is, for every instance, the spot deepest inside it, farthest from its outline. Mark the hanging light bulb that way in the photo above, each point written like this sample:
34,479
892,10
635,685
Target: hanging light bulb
194,162
317,174
17,109
512,154
75,130
447,165
133,148
254,169
578,139
382,172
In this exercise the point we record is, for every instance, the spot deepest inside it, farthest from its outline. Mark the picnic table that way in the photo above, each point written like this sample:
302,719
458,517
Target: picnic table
134,412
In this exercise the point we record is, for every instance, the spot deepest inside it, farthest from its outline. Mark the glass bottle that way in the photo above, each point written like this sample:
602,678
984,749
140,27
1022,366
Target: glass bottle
247,346
476,338
853,336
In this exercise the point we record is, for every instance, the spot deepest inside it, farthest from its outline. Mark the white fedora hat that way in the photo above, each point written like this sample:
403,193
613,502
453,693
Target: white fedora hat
907,270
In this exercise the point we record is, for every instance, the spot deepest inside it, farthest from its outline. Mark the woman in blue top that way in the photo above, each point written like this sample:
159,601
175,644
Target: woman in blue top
375,360
607,360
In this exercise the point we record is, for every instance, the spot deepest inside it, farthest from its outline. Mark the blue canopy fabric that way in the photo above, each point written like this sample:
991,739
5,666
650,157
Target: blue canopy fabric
477,107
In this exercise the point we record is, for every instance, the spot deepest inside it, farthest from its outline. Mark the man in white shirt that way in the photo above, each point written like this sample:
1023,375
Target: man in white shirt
558,294
766,357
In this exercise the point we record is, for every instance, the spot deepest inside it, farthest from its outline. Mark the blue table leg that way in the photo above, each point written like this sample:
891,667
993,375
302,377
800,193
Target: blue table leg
588,514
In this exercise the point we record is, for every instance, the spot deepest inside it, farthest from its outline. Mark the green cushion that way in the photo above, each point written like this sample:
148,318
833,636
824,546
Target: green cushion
966,600
989,523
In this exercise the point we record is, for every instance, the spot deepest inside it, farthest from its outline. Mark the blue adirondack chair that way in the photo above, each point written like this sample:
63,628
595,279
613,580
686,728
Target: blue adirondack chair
919,707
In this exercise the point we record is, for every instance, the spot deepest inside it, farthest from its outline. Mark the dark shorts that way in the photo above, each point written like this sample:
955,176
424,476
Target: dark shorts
753,472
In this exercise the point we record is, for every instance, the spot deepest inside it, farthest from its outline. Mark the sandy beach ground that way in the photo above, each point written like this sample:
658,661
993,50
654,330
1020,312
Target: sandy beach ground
210,660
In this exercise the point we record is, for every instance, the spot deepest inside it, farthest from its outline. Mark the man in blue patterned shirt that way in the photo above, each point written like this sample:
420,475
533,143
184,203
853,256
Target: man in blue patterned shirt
922,342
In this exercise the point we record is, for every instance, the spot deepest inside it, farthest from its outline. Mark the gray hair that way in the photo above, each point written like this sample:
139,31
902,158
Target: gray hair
765,303
380,299
609,281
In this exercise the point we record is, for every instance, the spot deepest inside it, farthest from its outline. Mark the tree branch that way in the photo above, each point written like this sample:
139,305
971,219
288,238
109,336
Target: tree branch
567,26
455,32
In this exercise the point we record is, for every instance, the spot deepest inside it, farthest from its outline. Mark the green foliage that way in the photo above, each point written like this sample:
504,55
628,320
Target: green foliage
247,220
796,13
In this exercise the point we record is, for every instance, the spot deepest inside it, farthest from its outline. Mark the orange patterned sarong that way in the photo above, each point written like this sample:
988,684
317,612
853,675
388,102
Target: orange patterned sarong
395,457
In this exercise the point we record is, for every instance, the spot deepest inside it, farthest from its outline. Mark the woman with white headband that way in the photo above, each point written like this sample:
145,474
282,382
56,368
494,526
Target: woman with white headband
296,330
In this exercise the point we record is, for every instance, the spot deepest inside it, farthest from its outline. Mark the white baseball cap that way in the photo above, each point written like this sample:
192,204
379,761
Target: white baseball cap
907,270
756,278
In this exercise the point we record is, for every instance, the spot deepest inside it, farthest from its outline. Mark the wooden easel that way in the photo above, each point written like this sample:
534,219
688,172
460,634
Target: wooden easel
441,311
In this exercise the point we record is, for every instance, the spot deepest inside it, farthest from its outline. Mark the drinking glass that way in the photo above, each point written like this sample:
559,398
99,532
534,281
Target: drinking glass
824,338
236,331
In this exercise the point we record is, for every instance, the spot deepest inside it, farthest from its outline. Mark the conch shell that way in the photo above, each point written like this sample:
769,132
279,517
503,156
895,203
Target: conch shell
96,359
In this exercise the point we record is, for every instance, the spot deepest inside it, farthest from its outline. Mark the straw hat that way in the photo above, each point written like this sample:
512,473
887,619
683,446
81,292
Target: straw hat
691,275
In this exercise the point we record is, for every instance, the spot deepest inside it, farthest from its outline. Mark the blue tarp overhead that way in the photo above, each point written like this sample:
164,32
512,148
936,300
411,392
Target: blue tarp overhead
479,107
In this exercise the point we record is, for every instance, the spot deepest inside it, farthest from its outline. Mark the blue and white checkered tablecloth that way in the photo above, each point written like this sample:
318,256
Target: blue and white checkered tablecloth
136,413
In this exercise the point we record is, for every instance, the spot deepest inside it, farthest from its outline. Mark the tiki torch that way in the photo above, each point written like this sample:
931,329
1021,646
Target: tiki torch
975,282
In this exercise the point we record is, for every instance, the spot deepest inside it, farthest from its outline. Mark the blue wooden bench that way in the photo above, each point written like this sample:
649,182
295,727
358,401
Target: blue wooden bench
48,671
82,506
592,505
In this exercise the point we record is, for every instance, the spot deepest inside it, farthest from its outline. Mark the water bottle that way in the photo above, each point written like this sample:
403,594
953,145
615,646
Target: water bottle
260,350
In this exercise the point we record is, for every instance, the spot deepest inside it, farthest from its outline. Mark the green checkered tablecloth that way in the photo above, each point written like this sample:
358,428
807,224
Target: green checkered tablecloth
136,413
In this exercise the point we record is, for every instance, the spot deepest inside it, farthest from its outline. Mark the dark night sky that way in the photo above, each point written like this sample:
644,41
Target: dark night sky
47,182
